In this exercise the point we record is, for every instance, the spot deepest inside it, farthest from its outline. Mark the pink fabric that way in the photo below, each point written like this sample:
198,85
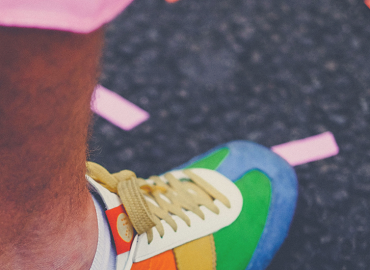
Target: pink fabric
81,16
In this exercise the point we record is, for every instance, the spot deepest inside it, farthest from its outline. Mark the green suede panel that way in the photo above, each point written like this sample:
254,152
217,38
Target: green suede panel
212,161
236,243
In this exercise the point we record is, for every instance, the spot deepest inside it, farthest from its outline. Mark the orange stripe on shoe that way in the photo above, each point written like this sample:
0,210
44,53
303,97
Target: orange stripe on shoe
163,261
198,254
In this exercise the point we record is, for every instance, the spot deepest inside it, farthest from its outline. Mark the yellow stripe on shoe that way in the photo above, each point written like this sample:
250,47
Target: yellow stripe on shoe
197,254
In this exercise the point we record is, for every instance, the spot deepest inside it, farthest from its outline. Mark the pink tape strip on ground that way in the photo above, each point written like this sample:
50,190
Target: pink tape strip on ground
116,109
306,150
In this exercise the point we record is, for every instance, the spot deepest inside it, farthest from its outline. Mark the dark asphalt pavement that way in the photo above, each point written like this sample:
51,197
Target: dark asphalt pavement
269,71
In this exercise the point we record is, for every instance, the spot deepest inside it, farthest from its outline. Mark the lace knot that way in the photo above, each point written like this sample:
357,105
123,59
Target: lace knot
124,183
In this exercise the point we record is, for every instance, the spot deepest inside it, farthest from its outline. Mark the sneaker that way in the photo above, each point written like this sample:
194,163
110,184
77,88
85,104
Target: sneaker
229,208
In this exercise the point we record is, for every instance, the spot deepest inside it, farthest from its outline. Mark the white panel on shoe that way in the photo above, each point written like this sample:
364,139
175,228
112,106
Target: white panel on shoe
110,199
199,228
125,260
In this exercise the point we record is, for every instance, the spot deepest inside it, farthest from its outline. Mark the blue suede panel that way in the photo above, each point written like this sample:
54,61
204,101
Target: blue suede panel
245,156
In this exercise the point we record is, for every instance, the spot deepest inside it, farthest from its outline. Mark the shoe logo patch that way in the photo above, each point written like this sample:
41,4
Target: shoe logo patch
121,227
124,227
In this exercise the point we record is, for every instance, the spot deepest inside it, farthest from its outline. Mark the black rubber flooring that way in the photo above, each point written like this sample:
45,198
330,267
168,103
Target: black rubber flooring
268,71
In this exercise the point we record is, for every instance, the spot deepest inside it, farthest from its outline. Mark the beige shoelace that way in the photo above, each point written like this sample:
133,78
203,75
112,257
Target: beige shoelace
170,198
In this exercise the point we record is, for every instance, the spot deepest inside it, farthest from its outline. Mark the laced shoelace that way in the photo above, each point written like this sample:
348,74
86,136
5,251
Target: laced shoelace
147,202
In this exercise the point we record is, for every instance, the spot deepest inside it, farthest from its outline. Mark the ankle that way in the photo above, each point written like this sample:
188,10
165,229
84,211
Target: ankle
69,243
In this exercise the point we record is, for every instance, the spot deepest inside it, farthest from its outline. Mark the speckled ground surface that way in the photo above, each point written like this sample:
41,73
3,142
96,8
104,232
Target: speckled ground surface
268,71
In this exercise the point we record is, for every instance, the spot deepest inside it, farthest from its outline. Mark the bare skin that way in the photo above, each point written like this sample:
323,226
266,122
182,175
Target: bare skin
48,219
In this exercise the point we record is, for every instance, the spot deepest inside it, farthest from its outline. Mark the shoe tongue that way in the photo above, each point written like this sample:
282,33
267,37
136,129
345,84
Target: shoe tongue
121,228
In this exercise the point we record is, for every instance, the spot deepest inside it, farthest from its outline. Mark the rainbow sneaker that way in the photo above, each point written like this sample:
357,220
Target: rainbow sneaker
229,208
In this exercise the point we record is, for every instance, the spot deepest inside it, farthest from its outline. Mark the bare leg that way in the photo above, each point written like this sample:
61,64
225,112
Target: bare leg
48,219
